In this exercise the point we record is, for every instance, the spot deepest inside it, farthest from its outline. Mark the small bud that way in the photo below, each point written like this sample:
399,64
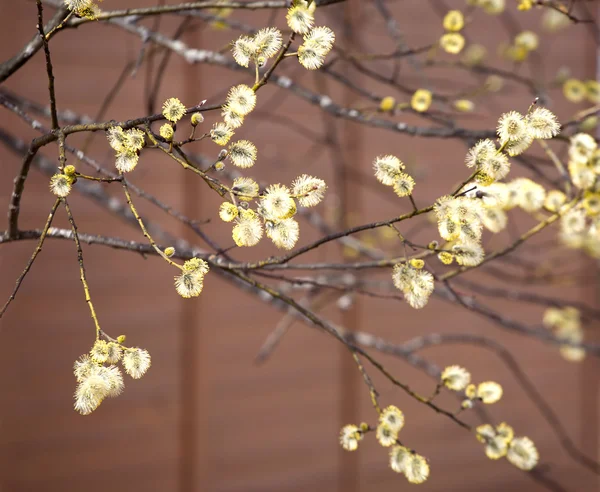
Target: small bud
494,83
69,170
433,245
170,251
222,155
464,105
387,104
364,427
261,60
121,339
417,263
466,404
219,166
589,123
197,118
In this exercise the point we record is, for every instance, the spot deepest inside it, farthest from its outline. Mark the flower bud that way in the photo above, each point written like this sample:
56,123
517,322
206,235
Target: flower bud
166,132
417,263
69,170
197,118
387,104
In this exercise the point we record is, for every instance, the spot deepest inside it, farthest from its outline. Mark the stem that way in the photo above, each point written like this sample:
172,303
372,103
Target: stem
37,251
143,227
86,288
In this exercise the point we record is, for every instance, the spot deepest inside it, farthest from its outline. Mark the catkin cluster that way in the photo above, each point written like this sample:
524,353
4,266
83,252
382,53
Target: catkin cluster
98,375
401,458
500,440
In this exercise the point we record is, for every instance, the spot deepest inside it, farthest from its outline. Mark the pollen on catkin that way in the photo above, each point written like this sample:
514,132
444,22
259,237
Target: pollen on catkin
514,133
173,109
468,253
60,185
116,138
136,362
248,230
221,134
268,41
496,447
505,431
300,19
127,145
403,185
90,393
83,8
83,367
322,38
386,435
393,418
277,203
241,99
190,282
114,352
228,212
308,190
489,392
456,378
114,378
99,352
231,118
135,139
480,152
445,257
416,285
166,131
387,169
350,435
416,468
398,458
127,160
242,153
522,453
284,233
317,44
543,123
245,189
244,49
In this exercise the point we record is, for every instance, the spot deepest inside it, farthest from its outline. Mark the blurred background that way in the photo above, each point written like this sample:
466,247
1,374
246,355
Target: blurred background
207,417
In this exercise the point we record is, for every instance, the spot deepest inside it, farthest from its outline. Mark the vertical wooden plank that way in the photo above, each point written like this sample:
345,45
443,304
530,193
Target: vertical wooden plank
350,158
590,369
195,454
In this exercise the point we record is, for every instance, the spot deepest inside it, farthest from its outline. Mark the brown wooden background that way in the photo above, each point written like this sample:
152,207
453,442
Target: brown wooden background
205,417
